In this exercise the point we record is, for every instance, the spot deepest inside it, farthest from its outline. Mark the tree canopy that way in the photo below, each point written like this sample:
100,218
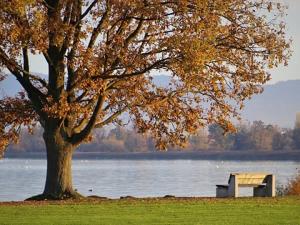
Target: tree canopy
102,56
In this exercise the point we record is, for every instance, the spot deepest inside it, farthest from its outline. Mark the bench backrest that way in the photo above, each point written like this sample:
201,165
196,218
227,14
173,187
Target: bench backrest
249,179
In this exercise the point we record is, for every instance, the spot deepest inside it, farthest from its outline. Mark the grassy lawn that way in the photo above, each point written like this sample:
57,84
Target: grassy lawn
156,211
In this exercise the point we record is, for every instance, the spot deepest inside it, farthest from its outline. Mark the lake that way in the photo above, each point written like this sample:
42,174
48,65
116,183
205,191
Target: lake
22,178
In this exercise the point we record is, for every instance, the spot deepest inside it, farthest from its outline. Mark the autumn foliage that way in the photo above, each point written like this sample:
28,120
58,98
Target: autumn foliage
293,187
102,54
14,112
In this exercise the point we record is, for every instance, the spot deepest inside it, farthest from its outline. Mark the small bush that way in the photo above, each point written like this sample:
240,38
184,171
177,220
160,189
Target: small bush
291,188
281,190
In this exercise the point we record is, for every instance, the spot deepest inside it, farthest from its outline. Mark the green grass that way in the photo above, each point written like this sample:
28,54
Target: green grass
161,211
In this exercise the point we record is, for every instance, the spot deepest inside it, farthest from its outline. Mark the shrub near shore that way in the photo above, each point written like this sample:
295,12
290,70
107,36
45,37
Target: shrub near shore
291,189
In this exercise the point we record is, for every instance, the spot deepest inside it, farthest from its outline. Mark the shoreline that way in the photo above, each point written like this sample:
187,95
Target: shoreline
179,155
98,199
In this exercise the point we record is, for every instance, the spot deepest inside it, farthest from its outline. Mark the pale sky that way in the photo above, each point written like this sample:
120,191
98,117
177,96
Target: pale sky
292,71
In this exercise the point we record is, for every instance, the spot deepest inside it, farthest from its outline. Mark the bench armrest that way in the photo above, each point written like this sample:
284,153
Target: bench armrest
222,185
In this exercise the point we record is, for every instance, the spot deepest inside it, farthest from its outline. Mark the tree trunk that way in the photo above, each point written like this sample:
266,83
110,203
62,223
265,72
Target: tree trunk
59,168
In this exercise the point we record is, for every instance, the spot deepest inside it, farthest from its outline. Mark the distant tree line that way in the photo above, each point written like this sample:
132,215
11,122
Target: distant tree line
253,136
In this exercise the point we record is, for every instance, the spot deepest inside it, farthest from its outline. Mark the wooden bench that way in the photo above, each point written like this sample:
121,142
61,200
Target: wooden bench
263,185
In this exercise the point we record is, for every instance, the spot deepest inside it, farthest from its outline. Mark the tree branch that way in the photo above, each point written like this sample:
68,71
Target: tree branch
79,137
97,29
33,93
111,118
80,127
25,60
69,11
136,73
86,12
134,33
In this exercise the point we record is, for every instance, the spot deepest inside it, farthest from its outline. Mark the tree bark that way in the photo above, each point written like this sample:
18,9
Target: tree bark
59,168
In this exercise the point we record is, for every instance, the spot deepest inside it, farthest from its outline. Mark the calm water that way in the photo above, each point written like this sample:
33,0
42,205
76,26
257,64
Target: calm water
22,178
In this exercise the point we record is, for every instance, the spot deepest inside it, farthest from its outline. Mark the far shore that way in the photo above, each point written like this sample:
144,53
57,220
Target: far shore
172,155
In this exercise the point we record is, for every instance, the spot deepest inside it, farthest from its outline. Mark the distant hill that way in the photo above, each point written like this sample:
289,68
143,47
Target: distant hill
278,104
9,86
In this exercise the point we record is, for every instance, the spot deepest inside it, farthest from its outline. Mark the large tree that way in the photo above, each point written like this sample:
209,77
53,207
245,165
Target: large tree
101,57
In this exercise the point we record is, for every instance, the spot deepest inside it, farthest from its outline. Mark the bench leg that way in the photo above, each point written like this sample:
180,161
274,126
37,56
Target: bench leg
222,192
266,191
270,187
259,191
233,189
